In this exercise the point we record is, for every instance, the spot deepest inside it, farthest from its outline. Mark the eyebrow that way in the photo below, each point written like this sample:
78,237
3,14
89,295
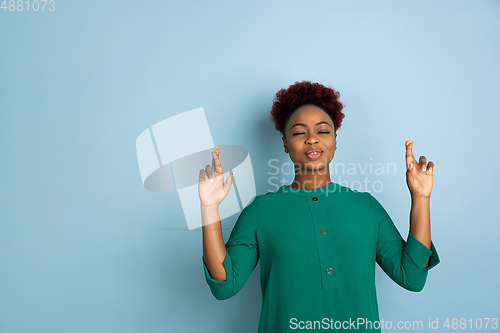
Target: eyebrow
319,123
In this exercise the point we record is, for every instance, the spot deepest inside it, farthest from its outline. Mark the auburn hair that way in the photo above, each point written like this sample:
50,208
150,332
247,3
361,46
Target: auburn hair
287,101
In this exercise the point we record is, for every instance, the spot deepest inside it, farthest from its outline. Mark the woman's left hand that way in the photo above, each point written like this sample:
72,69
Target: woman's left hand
418,175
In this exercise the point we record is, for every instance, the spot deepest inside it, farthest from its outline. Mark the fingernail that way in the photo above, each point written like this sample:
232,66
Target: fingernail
411,166
424,168
430,169
234,171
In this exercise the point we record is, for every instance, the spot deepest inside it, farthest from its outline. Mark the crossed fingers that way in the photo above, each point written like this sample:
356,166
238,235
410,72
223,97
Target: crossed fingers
216,165
411,161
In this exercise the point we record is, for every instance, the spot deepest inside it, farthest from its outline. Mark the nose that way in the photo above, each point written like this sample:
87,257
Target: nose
312,139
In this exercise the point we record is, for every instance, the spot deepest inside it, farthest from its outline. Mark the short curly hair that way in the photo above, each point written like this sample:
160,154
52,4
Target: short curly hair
287,101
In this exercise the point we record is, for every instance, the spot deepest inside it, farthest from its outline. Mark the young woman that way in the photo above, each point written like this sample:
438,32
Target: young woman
317,241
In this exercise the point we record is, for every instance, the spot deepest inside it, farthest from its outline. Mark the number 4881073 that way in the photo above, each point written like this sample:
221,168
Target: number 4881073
19,5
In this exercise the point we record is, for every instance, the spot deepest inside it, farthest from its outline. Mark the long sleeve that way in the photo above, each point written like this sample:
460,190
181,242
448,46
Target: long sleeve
242,254
402,261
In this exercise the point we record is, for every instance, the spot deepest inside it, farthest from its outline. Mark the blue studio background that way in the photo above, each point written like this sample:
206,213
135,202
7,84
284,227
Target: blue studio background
84,247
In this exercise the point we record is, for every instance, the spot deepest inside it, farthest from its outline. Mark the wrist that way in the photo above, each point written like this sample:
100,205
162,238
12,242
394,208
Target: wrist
420,198
209,216
209,207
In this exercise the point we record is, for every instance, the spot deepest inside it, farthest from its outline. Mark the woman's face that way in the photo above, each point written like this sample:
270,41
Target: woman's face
310,127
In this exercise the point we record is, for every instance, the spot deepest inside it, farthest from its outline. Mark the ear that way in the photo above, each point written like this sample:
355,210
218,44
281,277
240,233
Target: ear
284,143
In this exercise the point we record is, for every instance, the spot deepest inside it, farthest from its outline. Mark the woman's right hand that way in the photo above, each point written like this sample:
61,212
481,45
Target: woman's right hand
211,186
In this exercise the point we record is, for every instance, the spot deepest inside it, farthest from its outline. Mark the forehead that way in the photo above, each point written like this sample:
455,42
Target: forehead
309,114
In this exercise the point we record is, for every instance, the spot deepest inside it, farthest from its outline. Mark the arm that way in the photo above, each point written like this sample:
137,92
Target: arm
420,221
402,261
214,250
419,178
231,265
227,267
407,263
212,190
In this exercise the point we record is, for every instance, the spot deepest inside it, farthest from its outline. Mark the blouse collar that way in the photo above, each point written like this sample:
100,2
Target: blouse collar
325,190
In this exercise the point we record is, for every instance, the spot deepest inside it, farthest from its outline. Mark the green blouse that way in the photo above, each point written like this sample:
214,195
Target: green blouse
317,251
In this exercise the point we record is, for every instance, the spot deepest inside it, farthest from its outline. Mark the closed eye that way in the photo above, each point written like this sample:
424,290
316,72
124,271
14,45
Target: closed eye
304,133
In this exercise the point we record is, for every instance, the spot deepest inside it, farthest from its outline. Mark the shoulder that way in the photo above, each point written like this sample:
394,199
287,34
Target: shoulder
348,193
346,196
275,200
353,200
376,207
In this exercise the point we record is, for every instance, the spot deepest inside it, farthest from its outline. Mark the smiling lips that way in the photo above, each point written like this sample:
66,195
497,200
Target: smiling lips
314,153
